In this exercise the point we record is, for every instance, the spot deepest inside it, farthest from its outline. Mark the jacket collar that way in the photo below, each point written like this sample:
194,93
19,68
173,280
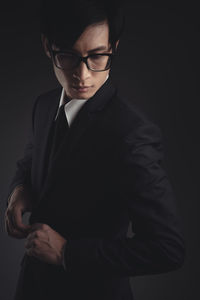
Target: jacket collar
98,100
101,97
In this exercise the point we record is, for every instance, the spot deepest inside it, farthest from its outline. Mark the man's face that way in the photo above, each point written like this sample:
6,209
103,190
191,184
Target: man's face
94,36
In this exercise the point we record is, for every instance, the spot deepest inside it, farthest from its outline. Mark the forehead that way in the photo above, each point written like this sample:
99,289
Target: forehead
93,36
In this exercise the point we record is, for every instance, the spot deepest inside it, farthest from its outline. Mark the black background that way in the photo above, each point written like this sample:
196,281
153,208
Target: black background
157,68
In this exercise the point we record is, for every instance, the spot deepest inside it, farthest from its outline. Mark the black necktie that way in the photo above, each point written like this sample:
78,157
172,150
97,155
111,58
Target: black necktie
61,128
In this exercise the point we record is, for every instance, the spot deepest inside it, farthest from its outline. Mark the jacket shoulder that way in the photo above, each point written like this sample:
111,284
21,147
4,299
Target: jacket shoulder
49,96
46,100
128,117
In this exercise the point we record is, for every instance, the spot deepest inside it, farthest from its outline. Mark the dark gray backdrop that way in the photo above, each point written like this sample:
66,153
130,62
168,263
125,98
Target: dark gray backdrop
158,68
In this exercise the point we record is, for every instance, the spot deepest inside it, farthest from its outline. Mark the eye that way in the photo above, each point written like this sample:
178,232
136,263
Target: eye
96,56
67,55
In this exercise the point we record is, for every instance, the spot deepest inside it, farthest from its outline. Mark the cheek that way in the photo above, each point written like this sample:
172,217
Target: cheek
101,78
62,77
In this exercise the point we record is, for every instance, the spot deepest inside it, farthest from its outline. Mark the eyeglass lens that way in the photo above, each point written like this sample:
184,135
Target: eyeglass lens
69,61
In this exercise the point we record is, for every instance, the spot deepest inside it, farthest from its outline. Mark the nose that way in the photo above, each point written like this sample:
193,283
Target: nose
82,72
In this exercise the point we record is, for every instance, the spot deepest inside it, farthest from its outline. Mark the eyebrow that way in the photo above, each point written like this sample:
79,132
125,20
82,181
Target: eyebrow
92,50
100,48
97,49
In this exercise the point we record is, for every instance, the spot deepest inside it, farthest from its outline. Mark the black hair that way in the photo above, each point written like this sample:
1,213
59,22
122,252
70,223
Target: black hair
63,21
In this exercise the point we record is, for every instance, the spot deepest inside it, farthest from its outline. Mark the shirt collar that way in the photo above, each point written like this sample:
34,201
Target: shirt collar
63,97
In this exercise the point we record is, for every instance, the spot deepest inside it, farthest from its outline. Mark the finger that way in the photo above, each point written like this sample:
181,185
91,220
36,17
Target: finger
29,243
10,228
15,233
17,222
32,251
32,247
40,226
37,234
11,231
31,237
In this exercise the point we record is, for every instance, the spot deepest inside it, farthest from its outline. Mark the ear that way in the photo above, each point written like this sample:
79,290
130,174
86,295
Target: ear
44,41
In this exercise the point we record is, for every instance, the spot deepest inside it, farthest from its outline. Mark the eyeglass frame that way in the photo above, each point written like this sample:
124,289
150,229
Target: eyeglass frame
81,58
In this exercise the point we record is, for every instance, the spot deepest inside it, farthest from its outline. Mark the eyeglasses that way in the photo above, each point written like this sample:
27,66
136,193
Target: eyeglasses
67,60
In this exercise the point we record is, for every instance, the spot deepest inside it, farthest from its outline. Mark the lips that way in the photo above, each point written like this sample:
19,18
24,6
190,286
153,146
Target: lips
81,87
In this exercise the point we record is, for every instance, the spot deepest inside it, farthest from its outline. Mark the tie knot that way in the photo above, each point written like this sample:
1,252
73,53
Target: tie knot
65,101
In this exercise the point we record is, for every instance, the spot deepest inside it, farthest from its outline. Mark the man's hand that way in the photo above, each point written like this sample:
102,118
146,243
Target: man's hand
45,244
19,203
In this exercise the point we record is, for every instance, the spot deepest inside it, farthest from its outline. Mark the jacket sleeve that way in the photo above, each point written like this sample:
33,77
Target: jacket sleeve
157,245
22,174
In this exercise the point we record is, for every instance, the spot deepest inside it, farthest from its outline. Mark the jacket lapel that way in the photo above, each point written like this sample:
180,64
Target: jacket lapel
87,115
85,118
51,106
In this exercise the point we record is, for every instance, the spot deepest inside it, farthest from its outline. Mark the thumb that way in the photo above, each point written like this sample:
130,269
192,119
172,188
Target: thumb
17,221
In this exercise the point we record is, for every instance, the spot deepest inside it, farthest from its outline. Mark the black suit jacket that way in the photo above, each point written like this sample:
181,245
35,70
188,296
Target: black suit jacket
107,173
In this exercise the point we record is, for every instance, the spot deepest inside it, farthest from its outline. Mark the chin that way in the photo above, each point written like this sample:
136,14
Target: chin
82,95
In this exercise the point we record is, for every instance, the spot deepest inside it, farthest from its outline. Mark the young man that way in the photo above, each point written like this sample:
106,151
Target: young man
92,165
